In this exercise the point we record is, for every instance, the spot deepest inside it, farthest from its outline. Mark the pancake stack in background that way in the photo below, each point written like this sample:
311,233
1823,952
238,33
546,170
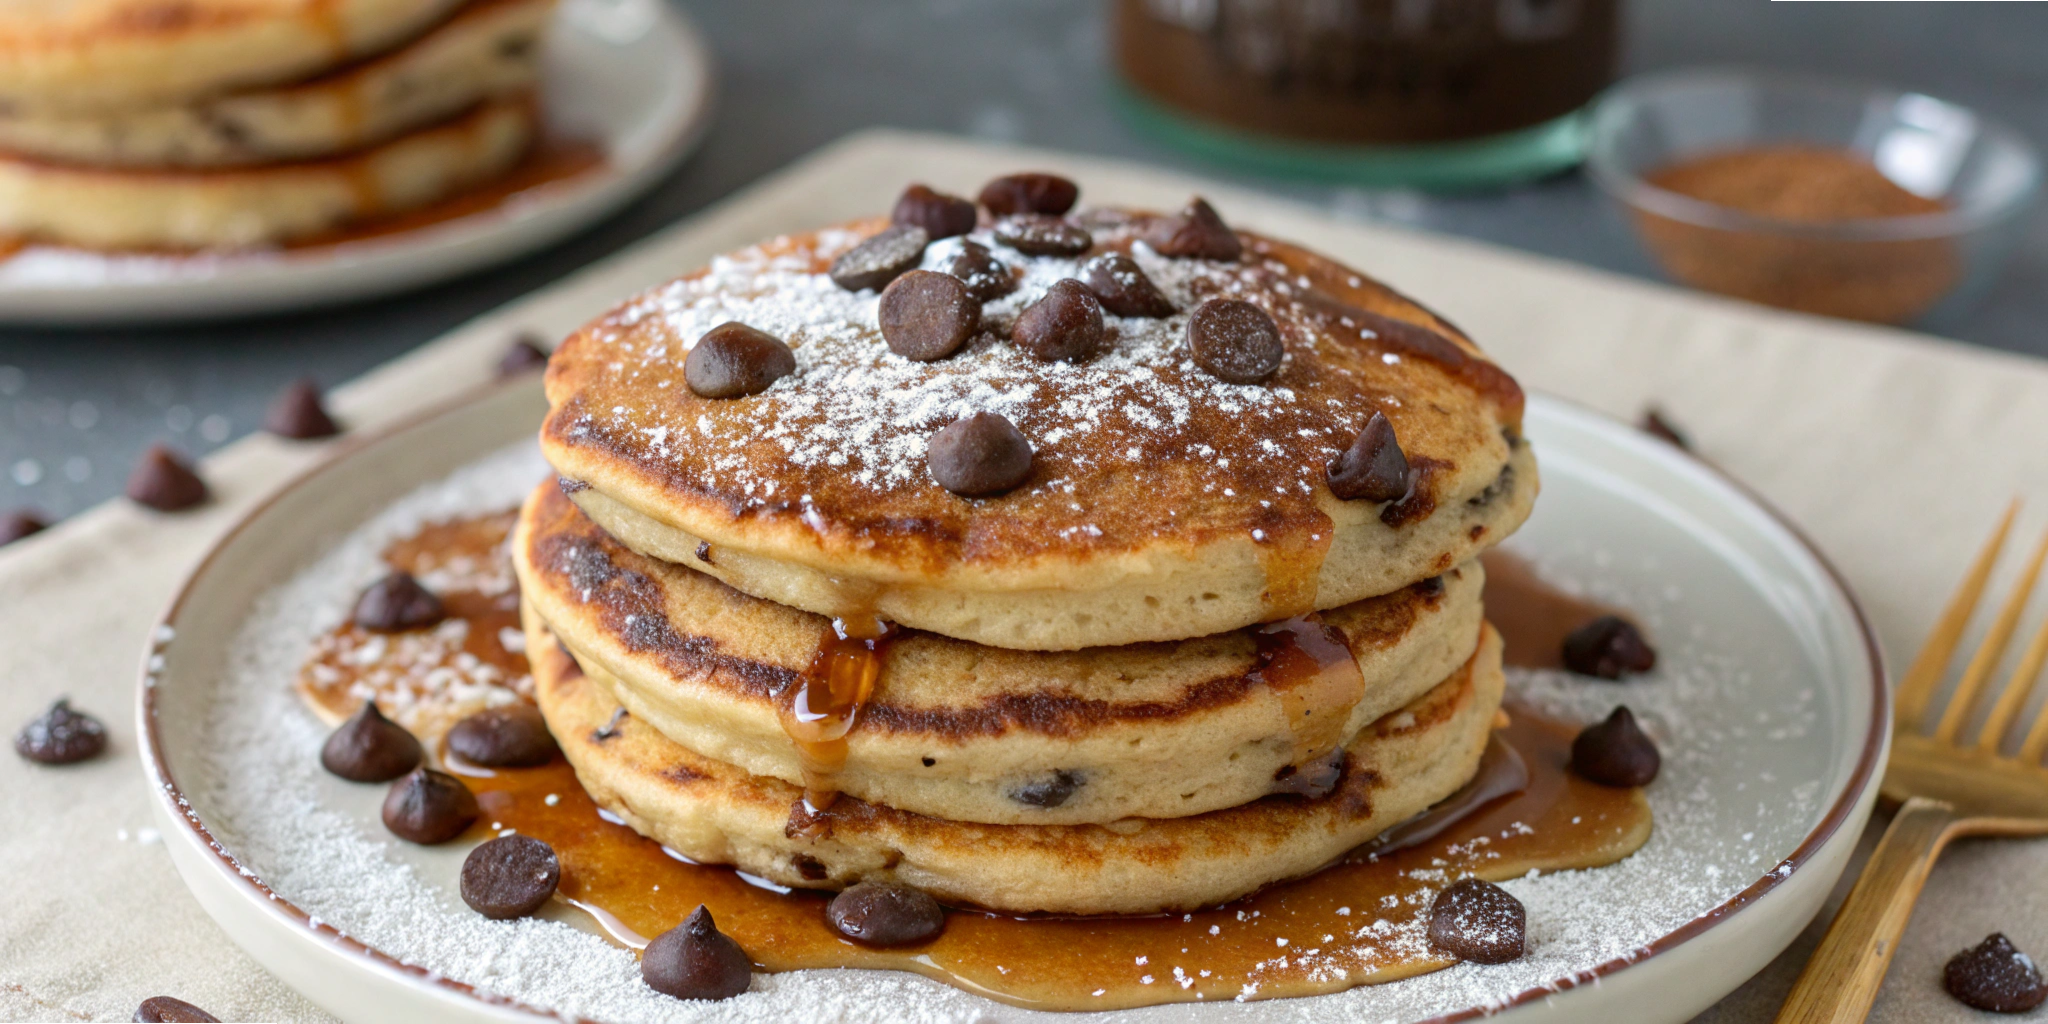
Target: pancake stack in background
1084,563
214,124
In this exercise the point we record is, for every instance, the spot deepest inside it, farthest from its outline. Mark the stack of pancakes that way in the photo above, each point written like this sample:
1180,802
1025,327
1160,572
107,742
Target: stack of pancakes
208,124
1169,667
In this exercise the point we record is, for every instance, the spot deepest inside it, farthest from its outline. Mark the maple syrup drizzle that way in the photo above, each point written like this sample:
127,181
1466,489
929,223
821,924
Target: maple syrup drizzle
1533,616
1310,667
823,706
1293,563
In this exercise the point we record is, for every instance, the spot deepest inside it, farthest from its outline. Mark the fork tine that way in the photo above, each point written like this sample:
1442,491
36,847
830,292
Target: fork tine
1992,650
1917,685
2021,685
2030,670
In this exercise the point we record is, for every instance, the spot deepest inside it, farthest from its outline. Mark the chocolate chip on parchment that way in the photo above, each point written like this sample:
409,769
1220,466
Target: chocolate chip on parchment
20,523
514,736
927,315
1197,232
1313,780
1654,424
1123,288
429,807
880,259
986,276
1031,192
370,748
886,914
1374,467
732,360
939,214
1608,647
1037,234
1616,752
1235,341
979,455
1478,921
298,413
167,1010
522,356
61,736
1064,324
1049,790
1994,975
694,960
164,482
510,876
395,604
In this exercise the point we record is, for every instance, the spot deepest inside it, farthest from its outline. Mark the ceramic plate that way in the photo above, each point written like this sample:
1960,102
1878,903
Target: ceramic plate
1768,703
632,75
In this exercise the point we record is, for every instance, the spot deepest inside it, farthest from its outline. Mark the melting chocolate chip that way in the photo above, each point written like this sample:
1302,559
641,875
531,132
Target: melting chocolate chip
880,259
1029,193
397,603
166,1010
370,748
986,276
1314,780
732,360
298,413
1235,341
514,736
886,914
523,356
1049,791
940,215
1373,468
20,523
979,455
1616,752
1608,647
1477,921
1121,284
61,736
1064,324
1035,234
1197,232
164,482
1994,975
927,315
510,876
1654,424
704,552
428,807
694,960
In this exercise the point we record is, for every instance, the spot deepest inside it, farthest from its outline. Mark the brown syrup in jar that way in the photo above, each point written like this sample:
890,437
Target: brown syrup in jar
822,708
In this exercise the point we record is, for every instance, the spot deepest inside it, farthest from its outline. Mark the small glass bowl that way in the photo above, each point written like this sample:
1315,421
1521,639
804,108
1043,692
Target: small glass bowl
1902,269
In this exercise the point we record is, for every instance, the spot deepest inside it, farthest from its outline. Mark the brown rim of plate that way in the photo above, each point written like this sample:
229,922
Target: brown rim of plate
167,790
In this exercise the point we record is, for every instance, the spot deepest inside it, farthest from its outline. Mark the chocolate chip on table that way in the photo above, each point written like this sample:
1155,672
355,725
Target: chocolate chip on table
1235,341
61,736
1654,424
166,1010
523,356
428,807
1064,324
986,276
1616,752
1197,232
1037,234
882,258
298,413
939,214
1123,288
510,876
927,315
1029,193
514,736
1608,647
164,482
1994,975
979,455
886,914
1374,467
370,748
395,604
732,360
1314,780
694,960
20,523
1048,791
1478,921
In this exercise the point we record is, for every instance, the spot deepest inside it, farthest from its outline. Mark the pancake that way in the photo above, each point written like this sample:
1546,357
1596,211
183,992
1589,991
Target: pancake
228,209
489,48
711,812
1162,502
971,733
109,54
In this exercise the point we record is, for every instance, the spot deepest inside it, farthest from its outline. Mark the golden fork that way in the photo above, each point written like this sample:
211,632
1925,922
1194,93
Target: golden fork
1950,784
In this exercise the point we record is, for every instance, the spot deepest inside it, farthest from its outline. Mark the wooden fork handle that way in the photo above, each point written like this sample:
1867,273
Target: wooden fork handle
1841,981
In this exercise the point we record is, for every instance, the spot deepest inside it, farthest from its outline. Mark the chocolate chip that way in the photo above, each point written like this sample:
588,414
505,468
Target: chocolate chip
811,868
1373,468
694,960
1029,193
1608,647
1993,975
1314,780
1049,791
1654,424
732,360
297,413
61,736
880,259
514,736
166,1010
1121,284
979,455
510,876
940,215
164,482
886,914
569,486
1197,232
370,748
1235,341
428,807
927,315
20,523
523,356
1036,234
704,552
397,603
1477,921
1065,323
1616,752
986,276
